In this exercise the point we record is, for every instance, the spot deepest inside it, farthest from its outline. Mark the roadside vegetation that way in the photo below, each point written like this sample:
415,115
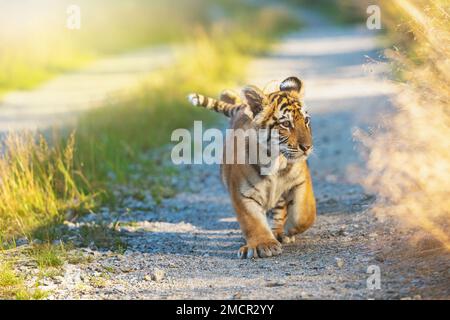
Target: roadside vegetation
47,180
412,151
12,285
37,45
408,159
43,261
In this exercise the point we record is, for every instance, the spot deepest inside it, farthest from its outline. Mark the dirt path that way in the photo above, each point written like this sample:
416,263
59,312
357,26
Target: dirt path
61,99
186,247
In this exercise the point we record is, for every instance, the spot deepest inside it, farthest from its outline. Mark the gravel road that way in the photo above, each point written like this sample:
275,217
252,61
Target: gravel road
186,246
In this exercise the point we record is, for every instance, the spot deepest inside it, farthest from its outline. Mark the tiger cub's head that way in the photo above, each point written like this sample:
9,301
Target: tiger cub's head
283,110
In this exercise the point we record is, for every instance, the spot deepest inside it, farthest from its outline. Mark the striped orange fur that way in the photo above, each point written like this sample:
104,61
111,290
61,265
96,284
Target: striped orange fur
286,194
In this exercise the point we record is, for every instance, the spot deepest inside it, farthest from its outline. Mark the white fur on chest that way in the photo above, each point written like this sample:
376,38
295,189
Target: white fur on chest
270,188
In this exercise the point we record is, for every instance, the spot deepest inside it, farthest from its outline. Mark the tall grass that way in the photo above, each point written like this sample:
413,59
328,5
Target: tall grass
409,161
37,184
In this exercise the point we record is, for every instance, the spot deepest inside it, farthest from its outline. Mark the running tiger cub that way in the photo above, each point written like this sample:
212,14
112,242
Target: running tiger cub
287,194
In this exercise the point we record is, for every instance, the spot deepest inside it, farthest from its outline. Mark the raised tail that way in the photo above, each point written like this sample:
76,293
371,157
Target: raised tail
228,109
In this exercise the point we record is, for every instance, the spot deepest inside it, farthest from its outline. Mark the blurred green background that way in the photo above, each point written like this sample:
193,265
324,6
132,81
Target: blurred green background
36,44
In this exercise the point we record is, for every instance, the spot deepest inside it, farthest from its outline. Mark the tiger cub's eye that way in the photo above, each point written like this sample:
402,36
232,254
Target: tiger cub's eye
286,124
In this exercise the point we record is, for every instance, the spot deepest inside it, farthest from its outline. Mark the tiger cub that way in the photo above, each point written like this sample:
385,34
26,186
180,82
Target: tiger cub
286,194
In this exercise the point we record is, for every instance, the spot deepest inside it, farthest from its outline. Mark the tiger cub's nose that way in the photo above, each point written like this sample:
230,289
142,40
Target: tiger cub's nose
304,147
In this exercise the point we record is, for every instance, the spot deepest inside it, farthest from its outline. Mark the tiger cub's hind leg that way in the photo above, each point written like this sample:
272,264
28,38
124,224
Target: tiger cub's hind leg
279,216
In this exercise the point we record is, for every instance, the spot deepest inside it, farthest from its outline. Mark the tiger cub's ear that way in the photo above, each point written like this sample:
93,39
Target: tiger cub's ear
255,98
293,84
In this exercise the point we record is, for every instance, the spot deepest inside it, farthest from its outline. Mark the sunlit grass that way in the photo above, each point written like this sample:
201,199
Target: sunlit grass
47,255
409,160
12,286
49,260
38,184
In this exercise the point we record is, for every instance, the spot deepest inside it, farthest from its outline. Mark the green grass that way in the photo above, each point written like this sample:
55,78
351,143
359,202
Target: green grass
38,184
49,260
12,286
47,255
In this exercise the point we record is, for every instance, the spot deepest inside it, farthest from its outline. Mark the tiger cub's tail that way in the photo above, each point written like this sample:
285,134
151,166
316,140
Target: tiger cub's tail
228,104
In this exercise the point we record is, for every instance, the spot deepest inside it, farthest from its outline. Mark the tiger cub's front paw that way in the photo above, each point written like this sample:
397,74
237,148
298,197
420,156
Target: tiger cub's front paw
264,249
